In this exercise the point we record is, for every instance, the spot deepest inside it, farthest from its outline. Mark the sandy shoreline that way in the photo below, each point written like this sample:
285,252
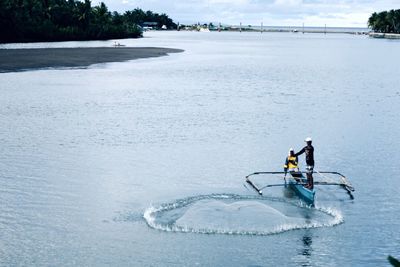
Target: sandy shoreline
12,60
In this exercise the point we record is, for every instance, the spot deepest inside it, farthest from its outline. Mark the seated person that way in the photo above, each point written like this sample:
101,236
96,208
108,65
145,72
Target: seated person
291,163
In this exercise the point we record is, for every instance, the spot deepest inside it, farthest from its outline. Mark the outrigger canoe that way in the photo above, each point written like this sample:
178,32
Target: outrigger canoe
297,181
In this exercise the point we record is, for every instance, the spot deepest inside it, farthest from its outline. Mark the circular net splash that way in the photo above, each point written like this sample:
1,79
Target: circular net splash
237,215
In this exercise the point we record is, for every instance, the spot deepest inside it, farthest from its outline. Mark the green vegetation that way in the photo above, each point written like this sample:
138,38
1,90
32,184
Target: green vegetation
385,22
62,20
140,17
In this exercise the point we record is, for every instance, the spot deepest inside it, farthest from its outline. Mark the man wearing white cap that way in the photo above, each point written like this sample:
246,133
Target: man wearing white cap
309,150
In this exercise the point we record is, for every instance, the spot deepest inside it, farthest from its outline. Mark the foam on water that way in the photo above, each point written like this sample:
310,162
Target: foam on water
238,215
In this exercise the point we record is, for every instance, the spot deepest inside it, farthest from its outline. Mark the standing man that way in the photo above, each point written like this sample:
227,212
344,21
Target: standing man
309,150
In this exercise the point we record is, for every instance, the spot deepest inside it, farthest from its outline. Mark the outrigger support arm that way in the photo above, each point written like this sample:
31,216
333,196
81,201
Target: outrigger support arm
253,186
273,185
344,184
259,190
256,173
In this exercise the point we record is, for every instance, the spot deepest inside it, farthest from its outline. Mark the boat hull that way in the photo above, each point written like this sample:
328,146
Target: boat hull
307,195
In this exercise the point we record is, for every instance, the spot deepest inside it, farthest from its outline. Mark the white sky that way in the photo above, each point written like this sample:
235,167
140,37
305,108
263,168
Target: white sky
339,13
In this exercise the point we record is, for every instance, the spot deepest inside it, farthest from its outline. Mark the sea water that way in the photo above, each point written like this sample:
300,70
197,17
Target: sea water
142,163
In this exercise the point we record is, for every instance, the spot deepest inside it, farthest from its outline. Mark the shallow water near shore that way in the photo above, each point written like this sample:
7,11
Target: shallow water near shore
142,163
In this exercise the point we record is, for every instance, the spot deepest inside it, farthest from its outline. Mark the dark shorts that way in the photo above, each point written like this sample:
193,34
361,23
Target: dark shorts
309,169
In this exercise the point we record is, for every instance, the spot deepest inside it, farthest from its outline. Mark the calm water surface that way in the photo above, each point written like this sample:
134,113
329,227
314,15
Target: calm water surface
142,163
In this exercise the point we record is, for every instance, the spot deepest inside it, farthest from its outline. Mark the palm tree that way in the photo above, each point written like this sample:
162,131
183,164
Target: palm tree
372,21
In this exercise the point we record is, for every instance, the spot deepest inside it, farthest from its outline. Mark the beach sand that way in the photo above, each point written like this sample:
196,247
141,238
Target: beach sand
12,60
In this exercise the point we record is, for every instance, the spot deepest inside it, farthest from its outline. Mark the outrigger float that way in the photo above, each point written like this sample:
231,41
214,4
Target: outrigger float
297,181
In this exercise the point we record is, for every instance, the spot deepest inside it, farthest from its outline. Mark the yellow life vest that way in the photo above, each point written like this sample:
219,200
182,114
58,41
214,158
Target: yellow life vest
292,162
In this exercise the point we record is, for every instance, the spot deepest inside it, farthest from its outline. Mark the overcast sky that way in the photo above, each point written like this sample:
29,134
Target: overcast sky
341,13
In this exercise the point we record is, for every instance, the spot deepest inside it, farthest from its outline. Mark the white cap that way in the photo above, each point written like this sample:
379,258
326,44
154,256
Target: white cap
308,139
291,149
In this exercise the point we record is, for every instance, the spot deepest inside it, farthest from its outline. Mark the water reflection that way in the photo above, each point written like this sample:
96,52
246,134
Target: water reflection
288,193
307,249
307,244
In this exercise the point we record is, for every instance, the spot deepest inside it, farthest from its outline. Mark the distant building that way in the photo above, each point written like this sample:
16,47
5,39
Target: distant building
149,25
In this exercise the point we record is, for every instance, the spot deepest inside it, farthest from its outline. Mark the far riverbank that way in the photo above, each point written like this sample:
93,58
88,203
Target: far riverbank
12,60
384,35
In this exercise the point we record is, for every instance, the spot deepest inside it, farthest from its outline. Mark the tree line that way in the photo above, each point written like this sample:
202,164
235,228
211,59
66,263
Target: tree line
64,20
385,21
